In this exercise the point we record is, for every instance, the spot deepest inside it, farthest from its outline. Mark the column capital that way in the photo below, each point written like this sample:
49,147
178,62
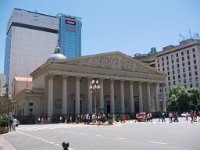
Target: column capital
65,76
50,75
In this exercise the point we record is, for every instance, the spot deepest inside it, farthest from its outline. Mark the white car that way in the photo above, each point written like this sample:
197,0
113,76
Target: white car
184,114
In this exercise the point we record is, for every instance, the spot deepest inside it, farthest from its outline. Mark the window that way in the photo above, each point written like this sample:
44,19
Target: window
174,82
177,60
195,61
30,104
167,67
184,75
188,62
187,51
179,76
174,77
190,79
167,57
169,83
190,85
168,73
177,65
178,70
189,68
172,66
195,67
193,50
196,78
172,61
158,65
188,57
182,53
194,56
197,84
190,74
167,62
173,72
168,78
183,64
183,69
184,80
196,73
182,58
30,109
162,59
176,54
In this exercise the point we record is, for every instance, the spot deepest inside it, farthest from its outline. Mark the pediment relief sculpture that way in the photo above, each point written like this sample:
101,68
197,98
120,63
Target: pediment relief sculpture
115,61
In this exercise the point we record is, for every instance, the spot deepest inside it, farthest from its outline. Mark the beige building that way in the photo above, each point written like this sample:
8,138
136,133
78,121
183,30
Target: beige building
61,86
2,84
181,64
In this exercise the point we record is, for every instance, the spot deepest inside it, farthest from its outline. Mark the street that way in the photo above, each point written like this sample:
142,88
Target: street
141,136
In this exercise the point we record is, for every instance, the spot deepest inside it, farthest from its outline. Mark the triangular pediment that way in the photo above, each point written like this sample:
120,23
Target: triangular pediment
113,60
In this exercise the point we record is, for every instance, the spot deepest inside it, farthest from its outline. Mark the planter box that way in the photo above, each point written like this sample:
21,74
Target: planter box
3,130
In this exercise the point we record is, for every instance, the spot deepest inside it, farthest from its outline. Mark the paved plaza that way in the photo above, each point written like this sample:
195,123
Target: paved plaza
129,136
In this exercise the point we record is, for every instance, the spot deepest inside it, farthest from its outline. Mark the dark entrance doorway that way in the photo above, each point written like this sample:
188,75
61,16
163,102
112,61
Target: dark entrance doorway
108,107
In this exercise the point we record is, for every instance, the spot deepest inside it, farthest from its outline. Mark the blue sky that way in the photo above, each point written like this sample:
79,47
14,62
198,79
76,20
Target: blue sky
129,26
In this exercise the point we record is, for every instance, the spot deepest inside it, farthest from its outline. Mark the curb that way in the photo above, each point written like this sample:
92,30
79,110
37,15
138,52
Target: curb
4,144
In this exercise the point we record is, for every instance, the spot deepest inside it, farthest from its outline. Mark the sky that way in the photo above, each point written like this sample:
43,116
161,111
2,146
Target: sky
129,26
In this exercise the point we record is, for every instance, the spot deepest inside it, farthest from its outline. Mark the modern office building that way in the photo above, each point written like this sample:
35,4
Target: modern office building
31,37
70,35
180,63
2,84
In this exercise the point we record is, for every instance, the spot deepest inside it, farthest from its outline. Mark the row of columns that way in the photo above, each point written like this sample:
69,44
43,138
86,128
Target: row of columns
112,101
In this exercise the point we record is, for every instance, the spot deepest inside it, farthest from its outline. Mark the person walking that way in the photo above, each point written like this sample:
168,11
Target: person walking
14,123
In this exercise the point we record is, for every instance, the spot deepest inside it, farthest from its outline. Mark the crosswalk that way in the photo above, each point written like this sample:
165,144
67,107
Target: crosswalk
48,127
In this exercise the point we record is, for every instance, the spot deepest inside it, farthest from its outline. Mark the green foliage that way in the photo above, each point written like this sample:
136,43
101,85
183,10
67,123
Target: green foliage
181,98
4,121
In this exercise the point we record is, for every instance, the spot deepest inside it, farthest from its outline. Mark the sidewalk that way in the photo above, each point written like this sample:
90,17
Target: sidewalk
4,145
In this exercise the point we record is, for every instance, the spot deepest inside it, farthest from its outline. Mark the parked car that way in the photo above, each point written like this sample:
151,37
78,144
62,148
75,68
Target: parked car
184,114
141,117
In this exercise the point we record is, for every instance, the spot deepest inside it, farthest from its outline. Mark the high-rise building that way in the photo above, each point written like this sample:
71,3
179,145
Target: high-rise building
2,84
180,63
70,35
31,38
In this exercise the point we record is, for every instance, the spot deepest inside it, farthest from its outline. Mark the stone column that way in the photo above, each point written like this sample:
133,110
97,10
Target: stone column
132,97
77,103
156,97
140,98
148,97
112,98
64,95
89,97
50,95
164,98
101,96
122,96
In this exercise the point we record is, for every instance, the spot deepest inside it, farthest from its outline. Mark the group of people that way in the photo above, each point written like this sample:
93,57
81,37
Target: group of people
13,122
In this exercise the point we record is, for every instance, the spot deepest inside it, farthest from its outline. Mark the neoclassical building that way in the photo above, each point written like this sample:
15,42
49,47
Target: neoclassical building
126,85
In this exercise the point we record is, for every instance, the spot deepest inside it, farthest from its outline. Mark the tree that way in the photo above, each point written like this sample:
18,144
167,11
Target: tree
181,98
152,51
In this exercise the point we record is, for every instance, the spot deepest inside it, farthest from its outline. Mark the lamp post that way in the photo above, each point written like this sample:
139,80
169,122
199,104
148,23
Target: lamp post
94,87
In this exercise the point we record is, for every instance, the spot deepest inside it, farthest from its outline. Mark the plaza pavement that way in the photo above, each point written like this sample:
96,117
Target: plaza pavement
156,135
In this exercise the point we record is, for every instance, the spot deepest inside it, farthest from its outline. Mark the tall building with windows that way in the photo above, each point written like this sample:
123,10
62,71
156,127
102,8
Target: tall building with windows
2,84
70,35
180,63
31,38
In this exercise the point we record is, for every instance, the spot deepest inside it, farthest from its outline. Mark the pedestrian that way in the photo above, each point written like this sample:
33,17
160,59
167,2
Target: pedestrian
170,117
192,116
136,117
10,123
39,120
60,119
14,123
150,116
163,117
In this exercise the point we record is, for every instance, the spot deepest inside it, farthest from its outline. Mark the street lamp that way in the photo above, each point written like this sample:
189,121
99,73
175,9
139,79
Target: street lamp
94,87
